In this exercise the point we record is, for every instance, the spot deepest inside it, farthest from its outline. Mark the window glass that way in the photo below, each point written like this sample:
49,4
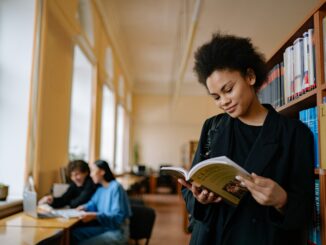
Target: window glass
16,24
109,62
107,126
120,140
80,114
85,19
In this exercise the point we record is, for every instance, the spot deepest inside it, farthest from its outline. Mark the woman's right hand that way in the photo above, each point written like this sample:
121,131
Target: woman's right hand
202,195
81,208
46,200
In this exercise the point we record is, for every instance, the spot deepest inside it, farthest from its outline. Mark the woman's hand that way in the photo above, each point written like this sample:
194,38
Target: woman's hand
265,191
88,216
202,195
46,200
81,208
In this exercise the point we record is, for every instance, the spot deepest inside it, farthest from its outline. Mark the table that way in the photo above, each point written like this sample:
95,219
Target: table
12,235
128,180
24,221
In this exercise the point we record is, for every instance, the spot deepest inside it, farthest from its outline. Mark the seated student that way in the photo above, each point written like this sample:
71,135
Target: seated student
80,190
106,220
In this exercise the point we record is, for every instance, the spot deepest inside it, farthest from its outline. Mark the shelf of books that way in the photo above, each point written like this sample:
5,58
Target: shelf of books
296,87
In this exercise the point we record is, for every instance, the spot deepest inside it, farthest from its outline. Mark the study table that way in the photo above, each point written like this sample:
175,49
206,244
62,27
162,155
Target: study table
15,235
21,220
129,180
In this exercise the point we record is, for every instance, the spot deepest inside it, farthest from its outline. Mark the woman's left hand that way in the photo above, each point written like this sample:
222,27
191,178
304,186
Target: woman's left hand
265,191
88,216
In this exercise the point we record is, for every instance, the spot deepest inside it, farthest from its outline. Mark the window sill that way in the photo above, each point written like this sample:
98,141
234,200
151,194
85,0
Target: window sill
10,206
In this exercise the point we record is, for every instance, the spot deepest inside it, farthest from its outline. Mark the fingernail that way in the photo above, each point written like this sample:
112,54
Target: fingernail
253,174
238,177
243,184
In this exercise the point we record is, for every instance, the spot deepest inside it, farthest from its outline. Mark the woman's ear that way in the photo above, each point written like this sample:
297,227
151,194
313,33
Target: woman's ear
251,77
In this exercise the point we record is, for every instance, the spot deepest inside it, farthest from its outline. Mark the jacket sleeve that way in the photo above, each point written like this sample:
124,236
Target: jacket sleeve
84,196
196,209
300,185
59,202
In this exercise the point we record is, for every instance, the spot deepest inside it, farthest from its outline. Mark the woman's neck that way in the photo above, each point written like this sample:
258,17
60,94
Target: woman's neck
105,184
255,115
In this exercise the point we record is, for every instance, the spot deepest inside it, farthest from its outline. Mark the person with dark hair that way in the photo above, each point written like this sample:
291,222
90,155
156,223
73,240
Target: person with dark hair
278,151
106,220
80,189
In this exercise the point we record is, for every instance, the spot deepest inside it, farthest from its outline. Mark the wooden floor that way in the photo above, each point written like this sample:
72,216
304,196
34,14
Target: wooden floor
168,227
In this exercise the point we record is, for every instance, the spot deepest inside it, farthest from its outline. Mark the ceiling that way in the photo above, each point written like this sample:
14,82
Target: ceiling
151,37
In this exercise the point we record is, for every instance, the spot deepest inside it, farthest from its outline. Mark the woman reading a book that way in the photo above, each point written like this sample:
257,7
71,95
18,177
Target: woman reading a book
277,151
106,218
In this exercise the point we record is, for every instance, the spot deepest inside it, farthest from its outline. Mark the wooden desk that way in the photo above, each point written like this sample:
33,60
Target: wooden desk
128,180
25,235
22,220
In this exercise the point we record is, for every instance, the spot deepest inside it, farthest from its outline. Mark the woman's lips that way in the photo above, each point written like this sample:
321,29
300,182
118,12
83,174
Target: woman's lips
231,109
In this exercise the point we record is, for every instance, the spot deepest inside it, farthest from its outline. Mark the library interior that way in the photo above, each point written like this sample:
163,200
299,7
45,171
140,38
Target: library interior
114,84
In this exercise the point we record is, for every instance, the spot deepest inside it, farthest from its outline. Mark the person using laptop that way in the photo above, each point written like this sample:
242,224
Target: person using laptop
106,217
80,189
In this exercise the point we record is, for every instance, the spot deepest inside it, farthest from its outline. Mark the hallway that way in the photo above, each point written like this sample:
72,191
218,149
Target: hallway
168,227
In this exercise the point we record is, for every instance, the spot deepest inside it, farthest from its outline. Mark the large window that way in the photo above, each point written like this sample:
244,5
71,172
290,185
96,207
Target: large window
16,24
107,126
122,150
80,119
120,139
85,18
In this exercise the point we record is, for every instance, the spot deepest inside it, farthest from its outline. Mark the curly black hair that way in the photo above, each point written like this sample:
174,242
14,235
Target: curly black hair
78,165
232,53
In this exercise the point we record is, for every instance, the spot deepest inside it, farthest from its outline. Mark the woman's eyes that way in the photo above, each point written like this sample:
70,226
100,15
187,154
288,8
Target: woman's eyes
228,90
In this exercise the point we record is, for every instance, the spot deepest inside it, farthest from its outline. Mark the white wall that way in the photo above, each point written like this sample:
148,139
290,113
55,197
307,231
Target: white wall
163,131
16,44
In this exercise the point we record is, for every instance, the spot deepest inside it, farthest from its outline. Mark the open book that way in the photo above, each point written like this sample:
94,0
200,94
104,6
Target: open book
215,174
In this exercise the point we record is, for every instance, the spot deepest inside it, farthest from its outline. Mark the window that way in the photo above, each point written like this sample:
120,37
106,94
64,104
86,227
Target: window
85,19
80,114
109,62
15,75
120,140
107,126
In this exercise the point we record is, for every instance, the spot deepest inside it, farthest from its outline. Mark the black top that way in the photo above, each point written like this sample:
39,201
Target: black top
75,195
244,137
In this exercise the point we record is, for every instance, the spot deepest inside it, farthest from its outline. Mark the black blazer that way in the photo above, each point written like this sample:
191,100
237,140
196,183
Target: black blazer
283,152
75,195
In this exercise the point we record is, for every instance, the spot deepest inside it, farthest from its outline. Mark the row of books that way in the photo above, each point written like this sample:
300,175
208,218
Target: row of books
293,77
314,231
272,91
310,118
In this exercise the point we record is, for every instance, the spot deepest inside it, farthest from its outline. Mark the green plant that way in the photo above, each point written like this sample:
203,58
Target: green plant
2,185
136,153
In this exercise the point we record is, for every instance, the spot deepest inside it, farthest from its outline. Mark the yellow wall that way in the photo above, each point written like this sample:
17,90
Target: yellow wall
162,131
60,27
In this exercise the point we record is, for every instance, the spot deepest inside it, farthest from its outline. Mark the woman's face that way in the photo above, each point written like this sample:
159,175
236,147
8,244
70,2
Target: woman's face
232,92
78,177
96,174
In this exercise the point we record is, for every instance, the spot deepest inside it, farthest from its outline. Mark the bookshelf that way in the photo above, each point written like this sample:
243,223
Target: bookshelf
312,98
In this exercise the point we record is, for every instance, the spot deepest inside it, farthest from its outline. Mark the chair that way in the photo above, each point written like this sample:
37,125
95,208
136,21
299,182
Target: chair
141,223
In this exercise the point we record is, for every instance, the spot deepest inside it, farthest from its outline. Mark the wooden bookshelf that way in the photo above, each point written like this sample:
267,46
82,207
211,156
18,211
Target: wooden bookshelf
311,98
303,102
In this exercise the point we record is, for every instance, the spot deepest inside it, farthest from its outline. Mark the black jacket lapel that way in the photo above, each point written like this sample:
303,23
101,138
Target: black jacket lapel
262,151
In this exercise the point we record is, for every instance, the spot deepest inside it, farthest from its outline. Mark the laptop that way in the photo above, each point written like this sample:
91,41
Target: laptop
45,211
30,206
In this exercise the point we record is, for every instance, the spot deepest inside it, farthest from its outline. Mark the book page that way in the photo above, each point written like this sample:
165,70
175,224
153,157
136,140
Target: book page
220,179
177,172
